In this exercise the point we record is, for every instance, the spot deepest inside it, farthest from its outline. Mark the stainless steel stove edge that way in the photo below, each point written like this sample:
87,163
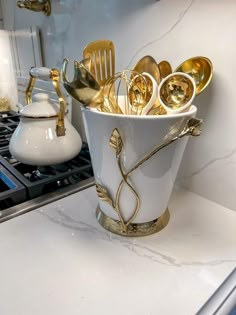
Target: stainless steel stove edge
223,300
43,200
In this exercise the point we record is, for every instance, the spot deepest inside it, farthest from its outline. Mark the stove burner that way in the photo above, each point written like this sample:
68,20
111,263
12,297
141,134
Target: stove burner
60,167
41,173
47,171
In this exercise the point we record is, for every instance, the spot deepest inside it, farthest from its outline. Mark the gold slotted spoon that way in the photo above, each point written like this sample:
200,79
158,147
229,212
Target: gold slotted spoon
102,55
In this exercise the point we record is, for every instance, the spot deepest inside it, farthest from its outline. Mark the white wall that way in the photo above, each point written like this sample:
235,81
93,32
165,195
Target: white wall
167,29
1,18
7,76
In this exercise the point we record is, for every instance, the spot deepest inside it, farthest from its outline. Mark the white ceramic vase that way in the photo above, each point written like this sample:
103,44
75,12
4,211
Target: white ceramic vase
152,181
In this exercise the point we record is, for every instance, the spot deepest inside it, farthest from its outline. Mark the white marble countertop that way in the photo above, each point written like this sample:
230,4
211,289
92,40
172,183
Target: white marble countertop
59,260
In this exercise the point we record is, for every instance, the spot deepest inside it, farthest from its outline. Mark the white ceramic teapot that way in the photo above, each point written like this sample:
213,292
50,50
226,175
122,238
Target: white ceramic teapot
44,135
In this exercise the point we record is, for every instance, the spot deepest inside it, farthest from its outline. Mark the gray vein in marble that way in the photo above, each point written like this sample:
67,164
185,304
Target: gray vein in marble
130,244
173,261
209,163
68,222
181,16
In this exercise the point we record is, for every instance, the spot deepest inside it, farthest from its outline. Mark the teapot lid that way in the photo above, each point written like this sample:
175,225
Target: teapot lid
41,107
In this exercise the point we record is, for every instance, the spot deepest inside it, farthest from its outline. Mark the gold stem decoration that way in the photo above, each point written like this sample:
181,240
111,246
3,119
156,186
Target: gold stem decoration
104,195
192,128
116,144
117,200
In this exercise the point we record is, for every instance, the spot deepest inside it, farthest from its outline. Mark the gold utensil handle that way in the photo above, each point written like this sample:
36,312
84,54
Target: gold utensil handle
54,75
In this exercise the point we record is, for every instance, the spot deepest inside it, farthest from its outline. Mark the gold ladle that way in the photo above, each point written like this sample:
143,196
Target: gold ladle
200,69
176,92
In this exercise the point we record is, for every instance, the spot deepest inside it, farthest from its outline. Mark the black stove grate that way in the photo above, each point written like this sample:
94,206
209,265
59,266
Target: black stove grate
8,122
41,180
9,117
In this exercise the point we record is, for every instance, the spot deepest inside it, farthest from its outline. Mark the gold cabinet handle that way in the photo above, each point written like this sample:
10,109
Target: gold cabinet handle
35,5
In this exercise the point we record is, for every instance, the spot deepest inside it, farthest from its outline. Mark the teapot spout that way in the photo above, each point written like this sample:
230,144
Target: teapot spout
19,106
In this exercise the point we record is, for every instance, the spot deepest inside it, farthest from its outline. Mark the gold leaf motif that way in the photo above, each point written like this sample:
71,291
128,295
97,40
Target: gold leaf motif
193,127
194,122
103,194
116,142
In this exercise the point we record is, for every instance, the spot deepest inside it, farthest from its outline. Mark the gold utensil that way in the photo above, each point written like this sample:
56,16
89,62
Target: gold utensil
157,109
165,68
140,92
150,87
129,92
116,92
84,88
87,62
148,64
102,55
176,92
200,69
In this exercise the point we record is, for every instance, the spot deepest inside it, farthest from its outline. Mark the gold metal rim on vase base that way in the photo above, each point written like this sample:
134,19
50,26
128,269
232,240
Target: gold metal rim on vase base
134,229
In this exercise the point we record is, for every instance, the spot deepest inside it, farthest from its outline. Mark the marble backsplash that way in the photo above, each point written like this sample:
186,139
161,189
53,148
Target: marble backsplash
166,29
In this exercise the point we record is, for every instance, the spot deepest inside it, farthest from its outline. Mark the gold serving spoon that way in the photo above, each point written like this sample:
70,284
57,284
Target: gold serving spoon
165,68
84,88
148,64
200,69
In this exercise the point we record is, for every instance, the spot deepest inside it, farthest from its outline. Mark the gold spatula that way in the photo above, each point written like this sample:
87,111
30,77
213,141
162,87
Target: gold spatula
102,55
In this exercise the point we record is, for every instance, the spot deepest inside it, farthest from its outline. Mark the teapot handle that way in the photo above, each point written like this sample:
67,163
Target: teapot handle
42,73
47,74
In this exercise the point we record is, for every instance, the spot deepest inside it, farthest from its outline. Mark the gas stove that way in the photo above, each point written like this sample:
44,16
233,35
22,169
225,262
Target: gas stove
24,187
8,123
